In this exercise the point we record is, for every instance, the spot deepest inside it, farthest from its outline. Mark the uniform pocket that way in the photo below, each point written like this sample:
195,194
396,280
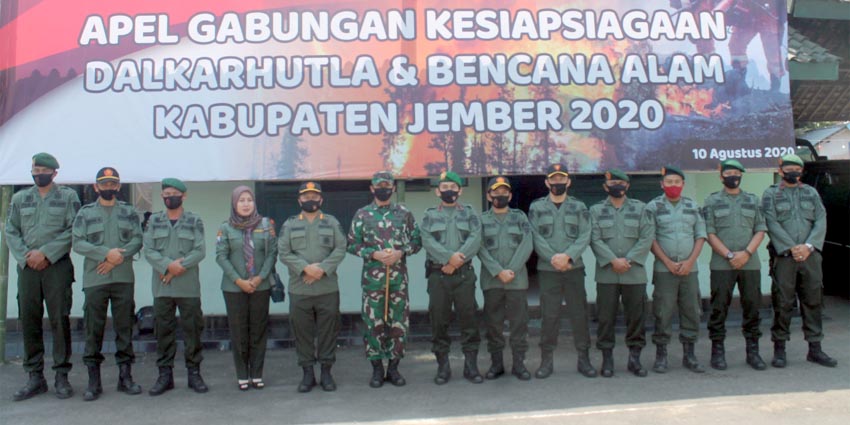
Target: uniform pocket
298,239
94,233
545,225
326,237
27,217
491,236
515,235
631,228
463,229
722,217
187,240
438,231
606,229
571,225
783,210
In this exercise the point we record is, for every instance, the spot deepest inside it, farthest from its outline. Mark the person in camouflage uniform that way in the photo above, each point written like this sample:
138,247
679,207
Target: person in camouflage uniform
384,234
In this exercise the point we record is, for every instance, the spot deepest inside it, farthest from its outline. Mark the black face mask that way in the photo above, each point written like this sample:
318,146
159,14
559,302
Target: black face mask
617,190
108,194
173,202
732,182
383,194
792,177
558,189
449,196
42,180
310,206
501,201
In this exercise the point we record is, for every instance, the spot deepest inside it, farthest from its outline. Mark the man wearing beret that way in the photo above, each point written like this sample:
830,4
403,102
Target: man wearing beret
174,246
621,236
735,227
38,231
384,234
506,245
451,236
796,223
561,226
679,237
312,246
107,233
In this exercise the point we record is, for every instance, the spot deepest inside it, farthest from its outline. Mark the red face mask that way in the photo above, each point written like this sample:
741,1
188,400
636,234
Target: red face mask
673,192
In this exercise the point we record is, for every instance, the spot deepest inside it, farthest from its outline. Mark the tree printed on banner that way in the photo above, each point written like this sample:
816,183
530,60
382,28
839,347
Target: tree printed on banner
292,156
542,155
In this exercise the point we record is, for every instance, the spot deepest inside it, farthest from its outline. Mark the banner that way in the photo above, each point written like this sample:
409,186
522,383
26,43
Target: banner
293,89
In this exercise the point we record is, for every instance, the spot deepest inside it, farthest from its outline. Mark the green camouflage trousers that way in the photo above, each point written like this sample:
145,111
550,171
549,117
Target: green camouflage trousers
386,340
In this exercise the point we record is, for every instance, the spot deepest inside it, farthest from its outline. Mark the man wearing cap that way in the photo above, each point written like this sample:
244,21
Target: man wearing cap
506,245
621,237
384,234
796,223
107,233
679,237
174,246
312,245
451,236
735,227
561,228
38,231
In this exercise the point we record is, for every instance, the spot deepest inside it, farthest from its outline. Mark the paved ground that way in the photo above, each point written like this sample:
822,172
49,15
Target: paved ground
802,393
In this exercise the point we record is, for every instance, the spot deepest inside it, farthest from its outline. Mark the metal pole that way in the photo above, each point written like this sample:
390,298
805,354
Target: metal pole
5,199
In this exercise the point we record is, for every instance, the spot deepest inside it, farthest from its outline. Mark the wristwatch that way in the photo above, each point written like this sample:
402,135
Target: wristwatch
730,255
811,248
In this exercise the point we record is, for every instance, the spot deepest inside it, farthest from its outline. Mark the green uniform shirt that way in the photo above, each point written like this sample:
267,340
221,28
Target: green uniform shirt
507,244
230,256
97,229
677,228
302,243
446,230
794,215
42,224
625,232
165,243
559,230
734,219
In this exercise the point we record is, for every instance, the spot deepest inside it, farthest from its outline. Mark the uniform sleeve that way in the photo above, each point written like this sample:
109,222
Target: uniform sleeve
432,246
271,252
779,238
576,249
414,243
759,224
708,216
604,255
222,254
134,245
60,245
157,260
699,226
818,233
472,243
523,251
640,250
489,262
199,250
287,256
356,243
333,260
81,245
14,236
541,245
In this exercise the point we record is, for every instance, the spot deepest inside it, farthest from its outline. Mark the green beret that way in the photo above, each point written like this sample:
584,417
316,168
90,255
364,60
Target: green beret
668,170
497,182
732,164
451,176
382,176
615,174
175,183
45,159
790,159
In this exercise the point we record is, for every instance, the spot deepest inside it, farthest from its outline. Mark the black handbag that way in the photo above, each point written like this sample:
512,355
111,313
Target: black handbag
278,292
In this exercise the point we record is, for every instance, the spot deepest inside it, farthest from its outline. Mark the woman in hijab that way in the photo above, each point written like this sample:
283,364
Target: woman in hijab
246,248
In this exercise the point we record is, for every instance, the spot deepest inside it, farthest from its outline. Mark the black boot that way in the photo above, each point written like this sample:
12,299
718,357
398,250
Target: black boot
35,385
718,355
689,359
518,369
778,354
607,363
753,357
377,380
634,362
164,382
660,365
195,381
393,375
61,386
444,369
497,366
583,365
546,365
326,380
308,381
125,380
816,355
94,388
470,367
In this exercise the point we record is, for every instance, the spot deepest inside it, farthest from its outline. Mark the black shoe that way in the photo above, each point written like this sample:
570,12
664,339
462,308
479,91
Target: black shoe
393,376
35,385
753,358
816,355
660,365
689,359
470,367
326,380
634,362
518,369
377,380
125,380
308,381
196,382
718,355
497,366
444,369
61,386
607,369
164,382
778,354
546,365
583,365
94,389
